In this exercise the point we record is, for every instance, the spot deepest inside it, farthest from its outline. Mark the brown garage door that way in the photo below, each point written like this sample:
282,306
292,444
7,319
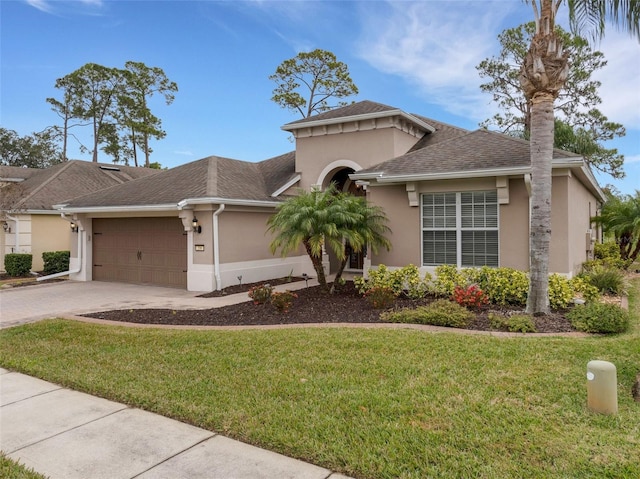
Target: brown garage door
140,250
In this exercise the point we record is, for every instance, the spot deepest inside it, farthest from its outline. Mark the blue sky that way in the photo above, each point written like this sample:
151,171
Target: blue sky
417,56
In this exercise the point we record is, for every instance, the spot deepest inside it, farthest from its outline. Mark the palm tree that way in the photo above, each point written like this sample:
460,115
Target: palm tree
542,76
368,228
620,216
317,218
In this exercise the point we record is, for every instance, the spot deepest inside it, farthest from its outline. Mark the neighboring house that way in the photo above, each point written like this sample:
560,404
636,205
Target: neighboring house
30,224
452,196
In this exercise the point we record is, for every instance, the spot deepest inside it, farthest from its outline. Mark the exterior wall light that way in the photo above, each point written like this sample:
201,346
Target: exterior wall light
196,226
74,227
6,227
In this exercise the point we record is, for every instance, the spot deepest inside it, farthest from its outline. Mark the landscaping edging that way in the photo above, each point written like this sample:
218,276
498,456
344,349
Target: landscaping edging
419,327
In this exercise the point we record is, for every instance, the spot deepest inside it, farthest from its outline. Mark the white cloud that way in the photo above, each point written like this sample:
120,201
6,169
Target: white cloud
183,152
436,46
632,159
620,90
42,5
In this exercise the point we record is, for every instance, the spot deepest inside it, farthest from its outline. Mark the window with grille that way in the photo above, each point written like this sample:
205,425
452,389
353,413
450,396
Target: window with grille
460,229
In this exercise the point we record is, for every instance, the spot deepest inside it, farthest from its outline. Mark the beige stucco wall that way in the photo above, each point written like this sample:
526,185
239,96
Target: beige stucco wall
581,208
514,227
243,236
404,222
48,233
572,206
364,148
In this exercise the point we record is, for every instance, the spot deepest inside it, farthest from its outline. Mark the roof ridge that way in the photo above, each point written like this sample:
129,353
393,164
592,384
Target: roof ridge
212,176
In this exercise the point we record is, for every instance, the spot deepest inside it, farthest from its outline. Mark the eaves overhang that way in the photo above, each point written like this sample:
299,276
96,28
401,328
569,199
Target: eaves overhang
227,201
363,117
114,209
448,175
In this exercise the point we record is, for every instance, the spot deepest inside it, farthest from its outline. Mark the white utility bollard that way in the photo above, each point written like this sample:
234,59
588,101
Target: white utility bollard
602,387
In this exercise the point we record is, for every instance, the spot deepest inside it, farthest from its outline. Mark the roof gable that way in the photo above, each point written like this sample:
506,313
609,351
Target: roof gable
49,186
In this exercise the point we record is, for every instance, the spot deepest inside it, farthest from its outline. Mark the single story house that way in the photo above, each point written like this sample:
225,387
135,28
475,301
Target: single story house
452,196
29,222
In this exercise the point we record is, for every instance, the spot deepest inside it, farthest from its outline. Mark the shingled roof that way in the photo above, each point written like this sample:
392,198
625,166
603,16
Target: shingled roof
364,107
45,187
474,151
212,177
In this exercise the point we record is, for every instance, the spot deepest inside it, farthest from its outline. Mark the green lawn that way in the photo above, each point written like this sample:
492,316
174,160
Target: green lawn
371,403
10,469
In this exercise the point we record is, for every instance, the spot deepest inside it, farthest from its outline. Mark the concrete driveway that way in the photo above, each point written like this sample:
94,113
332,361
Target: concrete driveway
31,303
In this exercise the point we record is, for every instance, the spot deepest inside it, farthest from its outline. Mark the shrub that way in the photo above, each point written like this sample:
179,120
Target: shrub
415,286
439,313
608,254
283,300
261,294
380,297
381,277
17,264
470,296
516,323
447,277
398,280
581,285
55,261
560,291
607,280
504,286
599,318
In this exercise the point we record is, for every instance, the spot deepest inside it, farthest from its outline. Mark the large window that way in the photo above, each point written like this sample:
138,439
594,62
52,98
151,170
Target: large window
460,229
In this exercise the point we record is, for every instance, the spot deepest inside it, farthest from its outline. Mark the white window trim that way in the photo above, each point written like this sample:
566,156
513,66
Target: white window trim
458,228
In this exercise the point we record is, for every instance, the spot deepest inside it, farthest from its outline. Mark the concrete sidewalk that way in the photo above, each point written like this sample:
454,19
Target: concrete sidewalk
66,434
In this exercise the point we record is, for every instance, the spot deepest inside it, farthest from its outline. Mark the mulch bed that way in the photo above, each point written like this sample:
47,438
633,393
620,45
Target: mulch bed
312,305
243,288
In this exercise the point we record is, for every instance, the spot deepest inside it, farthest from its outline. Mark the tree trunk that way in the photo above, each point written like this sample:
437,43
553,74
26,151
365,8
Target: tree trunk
338,277
541,145
543,74
317,265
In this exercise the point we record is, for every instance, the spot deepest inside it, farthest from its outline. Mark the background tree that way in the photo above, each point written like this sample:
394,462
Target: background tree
317,218
141,83
39,150
92,90
542,76
580,126
310,80
115,102
620,216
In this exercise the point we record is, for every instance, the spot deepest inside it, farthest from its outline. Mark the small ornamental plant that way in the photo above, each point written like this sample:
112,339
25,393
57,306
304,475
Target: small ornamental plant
381,297
282,301
261,294
469,296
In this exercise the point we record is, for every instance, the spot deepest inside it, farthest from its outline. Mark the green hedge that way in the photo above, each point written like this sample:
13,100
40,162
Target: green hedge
55,261
17,264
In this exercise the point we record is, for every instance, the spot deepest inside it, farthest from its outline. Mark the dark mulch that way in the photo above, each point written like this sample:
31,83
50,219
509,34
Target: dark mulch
242,288
311,306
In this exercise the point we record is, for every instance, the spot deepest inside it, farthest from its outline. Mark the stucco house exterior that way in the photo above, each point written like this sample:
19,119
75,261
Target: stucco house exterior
29,222
452,196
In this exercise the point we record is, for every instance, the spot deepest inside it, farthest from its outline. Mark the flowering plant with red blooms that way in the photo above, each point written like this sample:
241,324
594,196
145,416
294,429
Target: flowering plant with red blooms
469,296
380,296
283,300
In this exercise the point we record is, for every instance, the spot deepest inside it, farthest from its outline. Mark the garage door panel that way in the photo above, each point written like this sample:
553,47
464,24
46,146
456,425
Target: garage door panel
140,250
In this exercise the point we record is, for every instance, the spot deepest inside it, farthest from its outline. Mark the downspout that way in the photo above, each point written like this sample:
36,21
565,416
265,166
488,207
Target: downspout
16,232
71,271
216,247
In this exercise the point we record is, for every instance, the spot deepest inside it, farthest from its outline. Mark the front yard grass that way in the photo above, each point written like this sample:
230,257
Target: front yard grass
371,403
